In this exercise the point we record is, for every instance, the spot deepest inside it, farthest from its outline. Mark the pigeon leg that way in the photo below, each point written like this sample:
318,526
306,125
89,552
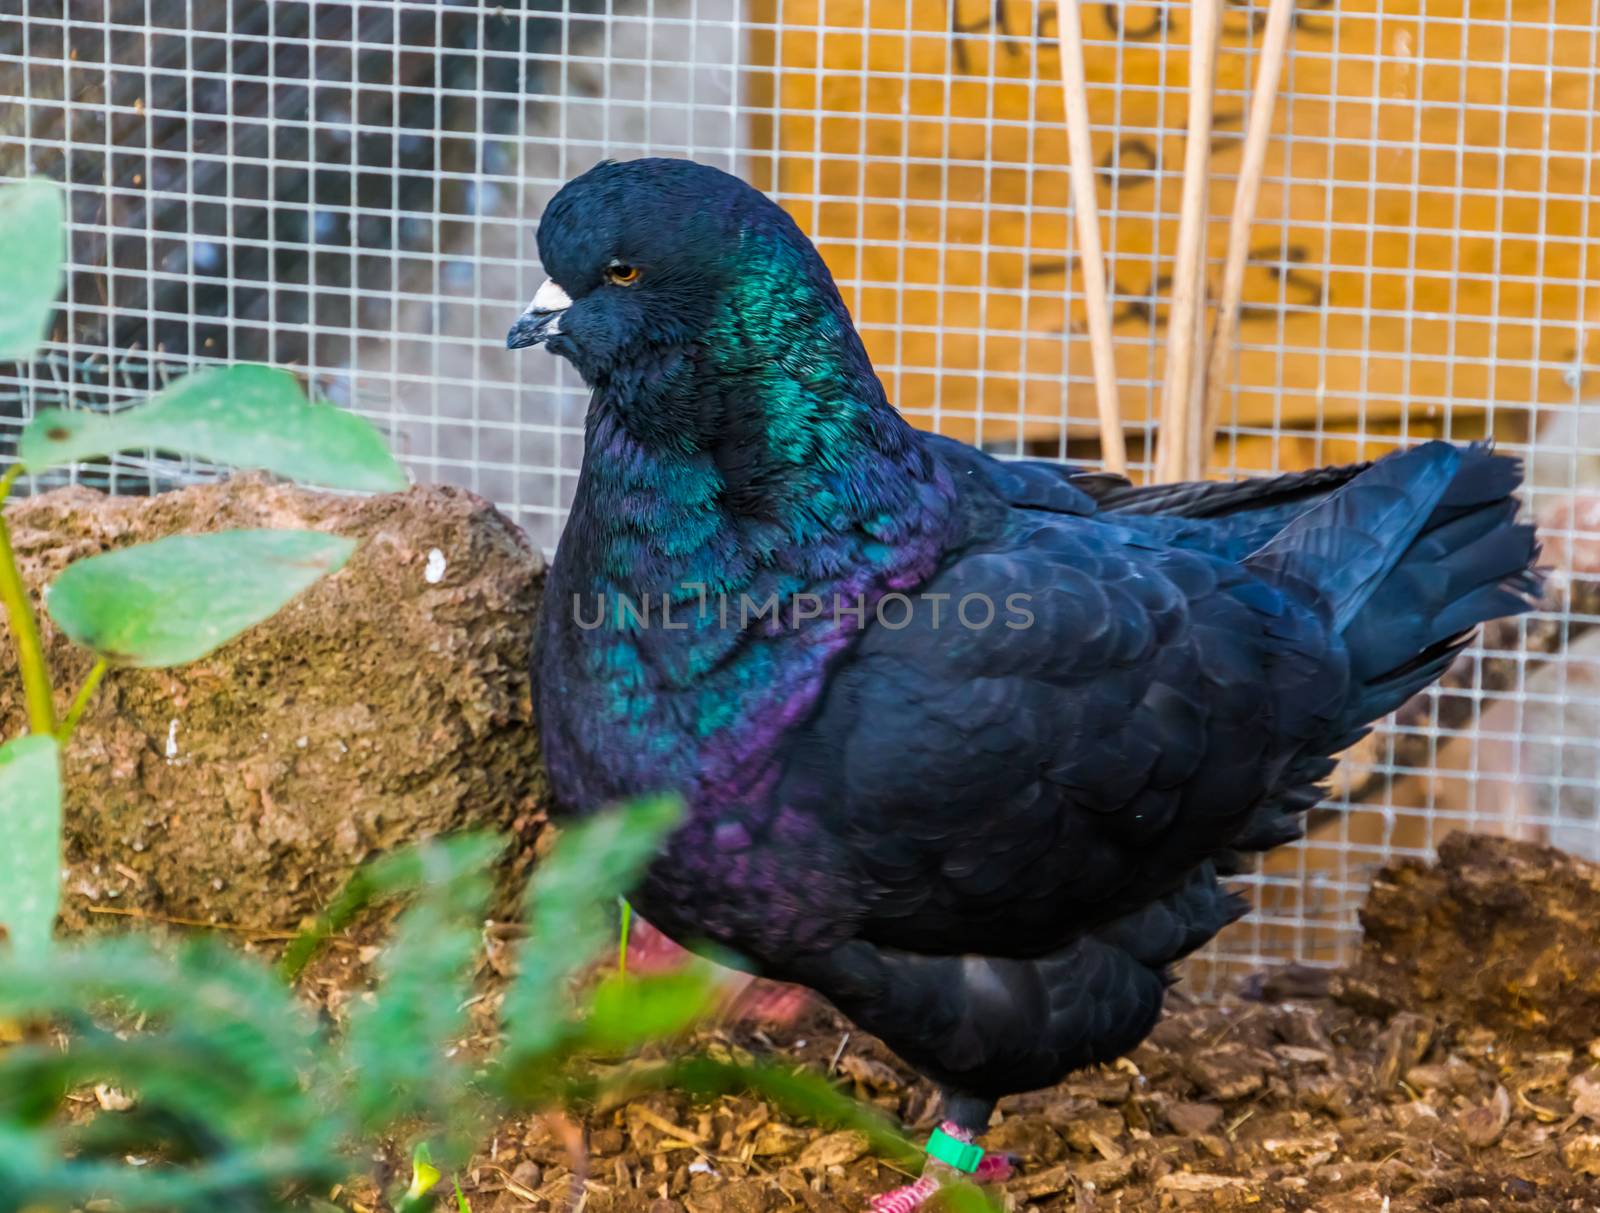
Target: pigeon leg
741,998
953,1155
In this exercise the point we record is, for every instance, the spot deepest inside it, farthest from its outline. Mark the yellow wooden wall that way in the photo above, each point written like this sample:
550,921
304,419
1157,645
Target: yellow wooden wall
1427,255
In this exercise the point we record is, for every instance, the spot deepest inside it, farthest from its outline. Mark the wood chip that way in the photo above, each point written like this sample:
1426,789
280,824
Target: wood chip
1193,1181
1582,1154
834,1150
1041,1183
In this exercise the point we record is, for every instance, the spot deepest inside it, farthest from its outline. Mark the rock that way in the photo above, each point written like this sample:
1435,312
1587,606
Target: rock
1482,1125
1303,1026
1429,930
1193,1119
1584,1091
378,708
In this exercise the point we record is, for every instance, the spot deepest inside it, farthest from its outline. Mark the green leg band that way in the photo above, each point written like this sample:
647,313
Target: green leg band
963,1156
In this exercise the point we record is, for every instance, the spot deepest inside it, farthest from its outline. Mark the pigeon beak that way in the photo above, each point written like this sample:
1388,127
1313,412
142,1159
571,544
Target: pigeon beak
542,320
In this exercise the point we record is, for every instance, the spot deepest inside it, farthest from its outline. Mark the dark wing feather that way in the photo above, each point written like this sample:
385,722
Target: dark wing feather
1005,788
1220,499
1065,488
1228,519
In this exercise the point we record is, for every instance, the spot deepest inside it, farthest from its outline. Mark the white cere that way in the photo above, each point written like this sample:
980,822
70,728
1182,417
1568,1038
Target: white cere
172,738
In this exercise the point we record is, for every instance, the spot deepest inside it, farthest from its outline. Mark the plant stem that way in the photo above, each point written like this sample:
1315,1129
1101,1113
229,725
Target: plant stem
24,628
81,701
622,939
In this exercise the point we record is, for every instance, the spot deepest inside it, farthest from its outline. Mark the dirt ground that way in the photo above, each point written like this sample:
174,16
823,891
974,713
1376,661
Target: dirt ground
1377,1090
1297,1104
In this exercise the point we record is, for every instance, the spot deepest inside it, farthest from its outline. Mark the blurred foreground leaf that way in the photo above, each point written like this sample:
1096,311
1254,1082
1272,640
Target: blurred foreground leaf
216,1080
246,416
173,601
591,865
218,1090
30,860
399,1044
627,1011
400,872
33,249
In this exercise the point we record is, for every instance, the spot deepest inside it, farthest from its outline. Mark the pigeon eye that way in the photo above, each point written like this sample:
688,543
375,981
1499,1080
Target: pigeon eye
622,275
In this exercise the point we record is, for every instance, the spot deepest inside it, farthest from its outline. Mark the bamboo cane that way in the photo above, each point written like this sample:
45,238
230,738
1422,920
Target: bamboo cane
1091,257
1188,279
1274,51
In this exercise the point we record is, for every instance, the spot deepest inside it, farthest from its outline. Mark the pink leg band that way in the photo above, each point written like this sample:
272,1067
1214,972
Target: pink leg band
907,1199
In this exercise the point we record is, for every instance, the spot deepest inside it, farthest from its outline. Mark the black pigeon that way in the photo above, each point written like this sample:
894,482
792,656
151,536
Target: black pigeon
965,744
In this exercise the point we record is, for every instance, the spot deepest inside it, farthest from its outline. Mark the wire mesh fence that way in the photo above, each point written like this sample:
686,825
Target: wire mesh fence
352,189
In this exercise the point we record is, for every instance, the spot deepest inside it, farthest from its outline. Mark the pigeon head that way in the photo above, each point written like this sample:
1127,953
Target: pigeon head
661,269
714,338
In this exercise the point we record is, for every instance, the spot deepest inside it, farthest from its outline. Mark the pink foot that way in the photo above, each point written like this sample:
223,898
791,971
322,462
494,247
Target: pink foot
649,951
766,1004
741,998
992,1169
995,1169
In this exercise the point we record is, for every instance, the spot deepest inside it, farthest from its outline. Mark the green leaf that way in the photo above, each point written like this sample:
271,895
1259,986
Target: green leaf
246,1045
227,1070
33,248
30,860
424,1175
628,1011
246,416
174,600
622,936
398,1045
402,871
591,865
967,1197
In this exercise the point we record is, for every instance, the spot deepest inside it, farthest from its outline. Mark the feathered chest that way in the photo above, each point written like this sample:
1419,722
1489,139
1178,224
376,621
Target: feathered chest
690,688
698,600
